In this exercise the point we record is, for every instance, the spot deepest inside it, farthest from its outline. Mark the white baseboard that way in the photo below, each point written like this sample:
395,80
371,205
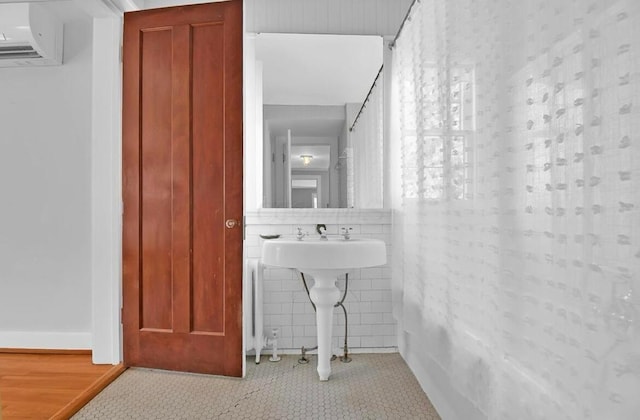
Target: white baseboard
45,340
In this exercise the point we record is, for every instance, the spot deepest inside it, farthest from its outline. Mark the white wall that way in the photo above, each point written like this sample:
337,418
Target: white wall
45,211
268,167
253,125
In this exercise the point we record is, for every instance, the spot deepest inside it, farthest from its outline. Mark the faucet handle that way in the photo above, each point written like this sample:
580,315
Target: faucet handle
300,234
346,232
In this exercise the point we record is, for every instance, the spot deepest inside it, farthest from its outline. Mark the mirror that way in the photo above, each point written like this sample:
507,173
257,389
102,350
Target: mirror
322,147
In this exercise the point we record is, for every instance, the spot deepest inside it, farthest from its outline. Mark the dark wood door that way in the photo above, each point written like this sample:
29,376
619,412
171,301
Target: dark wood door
182,188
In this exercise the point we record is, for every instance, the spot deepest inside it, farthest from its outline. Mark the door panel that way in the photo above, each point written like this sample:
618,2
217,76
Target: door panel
155,140
209,276
182,179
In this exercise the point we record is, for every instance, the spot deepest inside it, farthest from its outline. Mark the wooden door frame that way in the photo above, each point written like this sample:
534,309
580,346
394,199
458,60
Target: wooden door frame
106,183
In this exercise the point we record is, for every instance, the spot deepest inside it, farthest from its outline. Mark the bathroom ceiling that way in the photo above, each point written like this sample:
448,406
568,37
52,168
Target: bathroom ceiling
311,69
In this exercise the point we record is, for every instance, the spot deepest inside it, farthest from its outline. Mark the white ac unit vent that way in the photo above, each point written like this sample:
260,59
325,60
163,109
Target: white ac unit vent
29,36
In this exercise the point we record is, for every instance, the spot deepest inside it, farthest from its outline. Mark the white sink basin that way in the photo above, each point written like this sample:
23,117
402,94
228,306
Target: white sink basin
313,254
324,259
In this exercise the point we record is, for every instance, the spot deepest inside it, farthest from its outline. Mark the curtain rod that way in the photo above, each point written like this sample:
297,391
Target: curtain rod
367,98
406,18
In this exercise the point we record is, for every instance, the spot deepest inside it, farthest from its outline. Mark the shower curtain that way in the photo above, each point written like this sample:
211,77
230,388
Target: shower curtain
517,223
364,189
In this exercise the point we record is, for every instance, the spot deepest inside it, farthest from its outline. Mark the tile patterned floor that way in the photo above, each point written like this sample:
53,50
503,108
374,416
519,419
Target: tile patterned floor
372,386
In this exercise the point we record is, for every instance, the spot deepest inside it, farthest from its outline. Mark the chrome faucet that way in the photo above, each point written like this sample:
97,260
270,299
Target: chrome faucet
346,233
300,234
322,230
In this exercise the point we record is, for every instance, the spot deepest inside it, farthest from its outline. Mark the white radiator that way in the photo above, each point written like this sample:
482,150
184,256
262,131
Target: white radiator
254,338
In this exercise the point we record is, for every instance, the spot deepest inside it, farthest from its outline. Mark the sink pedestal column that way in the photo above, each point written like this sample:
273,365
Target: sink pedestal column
324,294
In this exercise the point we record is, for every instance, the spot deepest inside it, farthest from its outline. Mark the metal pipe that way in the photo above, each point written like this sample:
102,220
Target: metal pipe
345,357
303,354
406,18
307,289
274,346
367,98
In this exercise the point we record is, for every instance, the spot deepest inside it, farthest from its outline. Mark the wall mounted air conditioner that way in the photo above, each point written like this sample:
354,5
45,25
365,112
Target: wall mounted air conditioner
29,36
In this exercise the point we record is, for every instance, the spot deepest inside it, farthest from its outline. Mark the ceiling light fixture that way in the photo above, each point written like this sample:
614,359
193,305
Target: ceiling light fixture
306,159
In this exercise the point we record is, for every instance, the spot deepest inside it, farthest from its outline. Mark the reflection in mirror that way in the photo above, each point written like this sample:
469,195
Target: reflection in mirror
322,147
310,166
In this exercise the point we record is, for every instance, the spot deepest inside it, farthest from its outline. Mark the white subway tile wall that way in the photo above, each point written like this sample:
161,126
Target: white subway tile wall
371,325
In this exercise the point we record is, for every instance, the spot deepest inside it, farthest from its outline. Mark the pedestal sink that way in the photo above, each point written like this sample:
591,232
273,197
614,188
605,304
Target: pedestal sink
325,260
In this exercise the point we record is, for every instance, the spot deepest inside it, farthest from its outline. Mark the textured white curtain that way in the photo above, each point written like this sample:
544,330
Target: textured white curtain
517,242
366,153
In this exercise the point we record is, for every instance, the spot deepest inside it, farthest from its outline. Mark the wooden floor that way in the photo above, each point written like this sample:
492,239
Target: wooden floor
37,386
